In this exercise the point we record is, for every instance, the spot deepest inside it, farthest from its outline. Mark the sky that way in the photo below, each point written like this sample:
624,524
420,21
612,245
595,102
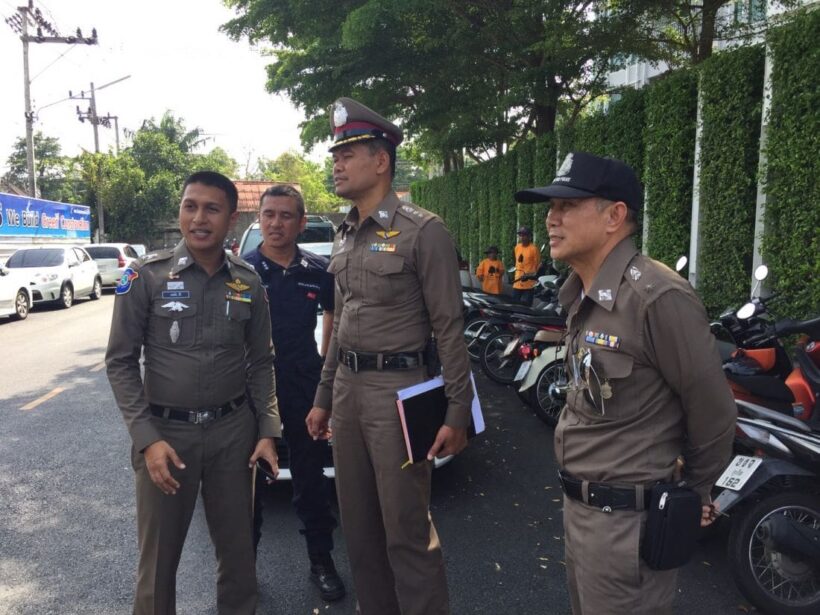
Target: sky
177,60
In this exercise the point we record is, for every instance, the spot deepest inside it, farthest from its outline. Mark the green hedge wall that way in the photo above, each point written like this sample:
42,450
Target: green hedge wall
669,142
731,90
791,244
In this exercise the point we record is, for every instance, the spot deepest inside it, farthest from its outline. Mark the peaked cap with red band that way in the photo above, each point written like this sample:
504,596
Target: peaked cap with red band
352,122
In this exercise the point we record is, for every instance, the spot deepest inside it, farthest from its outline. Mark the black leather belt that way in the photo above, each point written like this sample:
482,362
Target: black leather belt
358,361
606,496
198,416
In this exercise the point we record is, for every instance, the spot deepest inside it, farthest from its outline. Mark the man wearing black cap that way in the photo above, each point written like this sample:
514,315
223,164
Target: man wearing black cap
489,271
645,387
527,259
397,281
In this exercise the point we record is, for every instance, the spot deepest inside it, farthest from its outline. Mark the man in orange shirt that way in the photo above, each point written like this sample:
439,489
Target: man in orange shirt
527,259
489,271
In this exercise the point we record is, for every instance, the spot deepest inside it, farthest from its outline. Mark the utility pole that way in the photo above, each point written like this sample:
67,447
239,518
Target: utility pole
96,120
91,115
19,22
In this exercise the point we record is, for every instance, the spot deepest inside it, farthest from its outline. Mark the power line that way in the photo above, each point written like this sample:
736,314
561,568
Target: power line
59,57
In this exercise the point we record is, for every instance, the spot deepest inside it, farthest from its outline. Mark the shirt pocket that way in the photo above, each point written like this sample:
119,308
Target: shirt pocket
383,277
612,385
233,317
172,329
338,267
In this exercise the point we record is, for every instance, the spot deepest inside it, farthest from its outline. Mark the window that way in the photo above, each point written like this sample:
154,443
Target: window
35,258
98,252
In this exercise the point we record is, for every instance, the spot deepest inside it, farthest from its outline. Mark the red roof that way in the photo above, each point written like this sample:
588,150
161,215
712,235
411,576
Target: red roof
251,191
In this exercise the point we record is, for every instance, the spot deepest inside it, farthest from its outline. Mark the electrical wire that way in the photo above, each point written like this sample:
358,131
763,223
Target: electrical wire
60,57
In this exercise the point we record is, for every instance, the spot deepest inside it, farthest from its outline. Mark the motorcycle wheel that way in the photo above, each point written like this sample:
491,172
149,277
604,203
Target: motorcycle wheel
544,407
774,582
471,337
499,368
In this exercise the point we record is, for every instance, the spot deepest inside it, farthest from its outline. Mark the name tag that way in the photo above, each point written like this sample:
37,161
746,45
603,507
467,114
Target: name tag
176,294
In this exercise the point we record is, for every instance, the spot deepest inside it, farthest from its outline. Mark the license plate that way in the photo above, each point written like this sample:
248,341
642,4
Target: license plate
523,369
738,472
510,347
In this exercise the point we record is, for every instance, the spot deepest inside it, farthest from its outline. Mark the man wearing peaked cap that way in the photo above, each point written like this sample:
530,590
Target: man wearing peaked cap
646,388
397,284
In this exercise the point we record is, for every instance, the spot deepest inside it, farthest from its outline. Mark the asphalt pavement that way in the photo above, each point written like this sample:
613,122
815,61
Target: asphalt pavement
67,515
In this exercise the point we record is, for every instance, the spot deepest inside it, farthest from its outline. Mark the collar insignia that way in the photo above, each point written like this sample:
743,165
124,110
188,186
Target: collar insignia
605,294
383,214
183,260
634,273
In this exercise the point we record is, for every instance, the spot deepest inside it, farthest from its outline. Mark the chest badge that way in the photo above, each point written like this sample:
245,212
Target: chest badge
173,332
602,339
383,247
237,285
175,306
388,234
241,297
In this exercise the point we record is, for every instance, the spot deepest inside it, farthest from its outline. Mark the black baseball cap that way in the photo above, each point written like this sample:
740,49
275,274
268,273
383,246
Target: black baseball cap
583,175
491,249
524,230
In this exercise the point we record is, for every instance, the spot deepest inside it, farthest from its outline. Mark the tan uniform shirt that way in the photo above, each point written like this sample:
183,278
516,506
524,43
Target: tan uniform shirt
645,380
396,279
201,349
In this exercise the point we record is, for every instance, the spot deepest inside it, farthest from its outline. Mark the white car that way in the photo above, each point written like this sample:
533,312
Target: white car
58,274
112,260
15,296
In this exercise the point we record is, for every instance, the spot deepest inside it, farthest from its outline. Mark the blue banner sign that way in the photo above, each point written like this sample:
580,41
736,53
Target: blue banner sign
21,216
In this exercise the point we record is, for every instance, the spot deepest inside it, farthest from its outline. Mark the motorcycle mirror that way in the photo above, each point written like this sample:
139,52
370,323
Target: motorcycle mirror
543,247
761,273
747,311
511,270
681,263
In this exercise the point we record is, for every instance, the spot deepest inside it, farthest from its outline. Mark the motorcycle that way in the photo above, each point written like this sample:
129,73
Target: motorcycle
541,368
500,355
772,490
760,370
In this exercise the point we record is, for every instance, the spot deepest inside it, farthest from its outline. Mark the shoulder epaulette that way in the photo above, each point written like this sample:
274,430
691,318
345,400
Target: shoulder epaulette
418,215
240,262
153,257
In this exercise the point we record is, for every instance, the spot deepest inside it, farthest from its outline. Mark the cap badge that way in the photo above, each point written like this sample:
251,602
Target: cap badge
237,285
339,115
566,166
388,234
634,273
605,294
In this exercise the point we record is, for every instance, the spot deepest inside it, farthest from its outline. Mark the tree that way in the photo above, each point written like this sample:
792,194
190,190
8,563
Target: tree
50,166
466,76
295,168
682,32
216,160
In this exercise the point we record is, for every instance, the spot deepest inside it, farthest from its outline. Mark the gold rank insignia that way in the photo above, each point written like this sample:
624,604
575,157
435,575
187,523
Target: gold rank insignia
388,234
237,285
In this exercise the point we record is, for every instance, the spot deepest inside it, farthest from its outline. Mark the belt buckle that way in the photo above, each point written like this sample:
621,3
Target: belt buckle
600,491
355,366
204,416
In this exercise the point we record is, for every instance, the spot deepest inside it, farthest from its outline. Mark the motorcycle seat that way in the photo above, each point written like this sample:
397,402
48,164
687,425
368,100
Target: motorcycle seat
762,386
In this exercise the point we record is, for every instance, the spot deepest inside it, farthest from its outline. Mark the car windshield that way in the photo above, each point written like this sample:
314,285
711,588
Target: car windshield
253,240
35,258
98,252
316,234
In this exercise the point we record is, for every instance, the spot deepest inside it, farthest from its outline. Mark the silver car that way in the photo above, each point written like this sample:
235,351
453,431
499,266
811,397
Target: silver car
112,259
58,273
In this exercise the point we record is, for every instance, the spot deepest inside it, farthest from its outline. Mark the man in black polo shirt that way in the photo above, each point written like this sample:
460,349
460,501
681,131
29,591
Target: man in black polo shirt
297,283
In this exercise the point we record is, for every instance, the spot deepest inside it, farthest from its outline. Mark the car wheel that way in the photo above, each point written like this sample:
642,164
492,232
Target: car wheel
66,299
96,292
21,305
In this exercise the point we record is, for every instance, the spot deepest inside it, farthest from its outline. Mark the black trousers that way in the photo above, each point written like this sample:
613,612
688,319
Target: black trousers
523,296
311,489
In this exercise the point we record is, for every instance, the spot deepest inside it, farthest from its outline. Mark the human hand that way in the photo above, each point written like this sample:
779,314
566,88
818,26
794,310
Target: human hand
449,441
709,514
318,423
157,455
266,450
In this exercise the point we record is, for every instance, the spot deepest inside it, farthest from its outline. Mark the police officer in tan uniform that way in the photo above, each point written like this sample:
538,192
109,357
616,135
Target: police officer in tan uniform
645,387
397,281
201,318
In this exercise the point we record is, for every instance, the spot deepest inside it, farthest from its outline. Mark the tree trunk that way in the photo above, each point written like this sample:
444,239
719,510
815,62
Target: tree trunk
707,29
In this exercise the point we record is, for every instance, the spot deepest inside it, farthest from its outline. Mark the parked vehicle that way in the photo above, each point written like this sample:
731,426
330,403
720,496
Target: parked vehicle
139,248
760,369
112,260
772,492
15,296
542,368
317,236
58,274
